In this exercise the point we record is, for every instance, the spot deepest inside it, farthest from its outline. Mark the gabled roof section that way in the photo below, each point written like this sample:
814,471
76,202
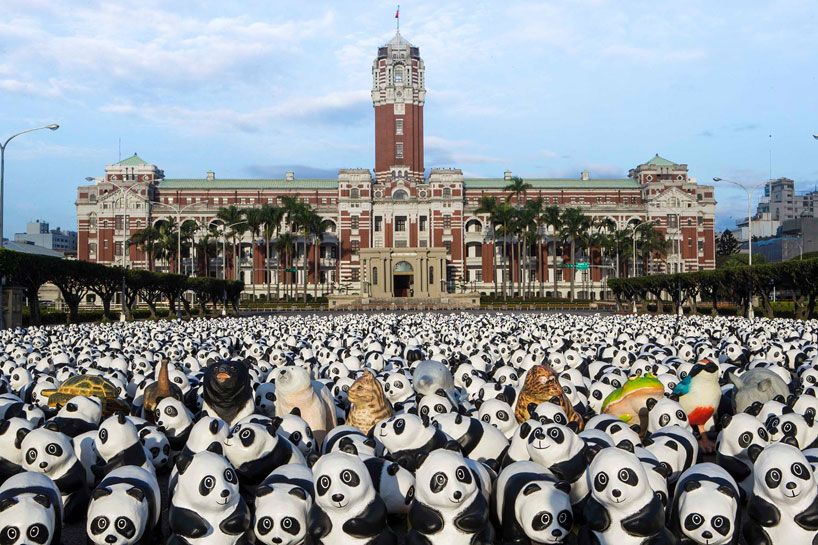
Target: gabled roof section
132,161
554,183
227,183
660,162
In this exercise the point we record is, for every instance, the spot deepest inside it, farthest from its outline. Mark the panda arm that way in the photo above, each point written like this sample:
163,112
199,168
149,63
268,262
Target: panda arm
187,523
475,517
424,519
371,521
320,524
8,469
74,479
763,512
755,534
647,521
735,467
416,538
596,516
808,518
238,522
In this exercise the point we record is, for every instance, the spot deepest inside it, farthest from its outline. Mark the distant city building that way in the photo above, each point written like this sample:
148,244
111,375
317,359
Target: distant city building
397,232
30,248
39,234
779,203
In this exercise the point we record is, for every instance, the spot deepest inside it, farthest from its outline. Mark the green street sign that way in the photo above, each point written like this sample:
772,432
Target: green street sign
583,266
291,270
564,266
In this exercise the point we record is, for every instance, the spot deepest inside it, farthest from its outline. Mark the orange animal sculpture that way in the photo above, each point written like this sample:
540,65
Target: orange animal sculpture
369,403
541,385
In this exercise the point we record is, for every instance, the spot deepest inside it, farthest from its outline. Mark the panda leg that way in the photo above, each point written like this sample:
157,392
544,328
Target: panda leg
704,442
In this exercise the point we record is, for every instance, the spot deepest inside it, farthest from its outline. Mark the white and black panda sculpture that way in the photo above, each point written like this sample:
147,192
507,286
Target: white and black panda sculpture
282,505
707,507
207,508
118,445
12,432
125,508
449,506
30,510
622,508
783,509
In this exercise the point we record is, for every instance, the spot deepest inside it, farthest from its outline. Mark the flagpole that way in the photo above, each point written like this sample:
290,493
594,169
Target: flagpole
397,16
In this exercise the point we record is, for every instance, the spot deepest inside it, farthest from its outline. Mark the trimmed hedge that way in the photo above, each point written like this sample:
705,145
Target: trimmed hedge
76,279
737,285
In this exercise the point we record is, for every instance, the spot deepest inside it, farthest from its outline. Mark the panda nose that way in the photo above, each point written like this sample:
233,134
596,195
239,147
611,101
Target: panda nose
43,465
791,485
457,494
707,535
276,540
616,493
338,498
110,539
556,533
225,493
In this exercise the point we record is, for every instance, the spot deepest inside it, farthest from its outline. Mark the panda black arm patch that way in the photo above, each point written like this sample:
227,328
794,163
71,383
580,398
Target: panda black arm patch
808,518
735,467
320,524
74,479
754,533
238,522
763,512
596,516
371,521
647,521
187,523
475,516
424,519
8,469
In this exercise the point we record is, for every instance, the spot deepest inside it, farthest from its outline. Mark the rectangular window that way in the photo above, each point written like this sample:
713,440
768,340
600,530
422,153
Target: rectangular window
447,222
422,244
119,223
478,275
118,248
400,244
690,243
672,221
92,222
92,248
355,246
700,221
356,275
422,224
400,224
104,244
354,194
354,222
378,223
374,276
399,150
701,246
448,245
399,126
431,274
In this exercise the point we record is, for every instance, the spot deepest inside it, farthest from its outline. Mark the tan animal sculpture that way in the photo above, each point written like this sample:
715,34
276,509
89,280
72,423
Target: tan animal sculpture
296,390
369,403
157,391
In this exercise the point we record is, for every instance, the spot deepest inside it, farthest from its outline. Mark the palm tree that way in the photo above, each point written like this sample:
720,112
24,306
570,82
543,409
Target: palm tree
574,224
517,187
292,207
166,245
271,216
486,207
552,216
189,228
284,246
523,222
208,246
317,227
503,214
145,239
232,218
536,207
254,221
304,217
650,242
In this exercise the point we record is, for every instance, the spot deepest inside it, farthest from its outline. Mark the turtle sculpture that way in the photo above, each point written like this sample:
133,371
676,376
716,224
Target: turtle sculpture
88,386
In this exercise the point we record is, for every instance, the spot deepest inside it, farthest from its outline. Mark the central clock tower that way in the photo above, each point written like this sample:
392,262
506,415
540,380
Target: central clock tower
398,94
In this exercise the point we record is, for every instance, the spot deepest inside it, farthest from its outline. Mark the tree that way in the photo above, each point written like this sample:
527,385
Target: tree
271,216
284,247
145,240
503,214
537,208
105,282
232,218
574,225
486,207
552,217
254,220
518,187
726,244
317,227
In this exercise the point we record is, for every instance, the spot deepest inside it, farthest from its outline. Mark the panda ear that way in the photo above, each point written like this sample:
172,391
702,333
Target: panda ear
136,493
421,457
298,492
727,490
810,418
216,448
43,500
52,426
625,445
296,411
754,409
4,426
663,470
779,397
183,461
144,431
791,399
573,425
650,403
425,419
370,441
457,419
5,503
525,429
556,401
725,420
691,485
452,445
392,468
531,488
263,490
787,410
563,486
120,418
100,492
674,397
753,451
636,428
21,434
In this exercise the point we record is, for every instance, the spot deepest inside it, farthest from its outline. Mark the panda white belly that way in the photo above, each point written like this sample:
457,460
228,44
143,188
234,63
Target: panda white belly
616,534
449,534
788,532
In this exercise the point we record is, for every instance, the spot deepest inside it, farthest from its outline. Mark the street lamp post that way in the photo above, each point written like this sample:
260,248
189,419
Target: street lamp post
52,127
749,190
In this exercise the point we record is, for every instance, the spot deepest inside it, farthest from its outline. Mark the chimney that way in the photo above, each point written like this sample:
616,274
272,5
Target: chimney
507,175
211,175
289,176
585,175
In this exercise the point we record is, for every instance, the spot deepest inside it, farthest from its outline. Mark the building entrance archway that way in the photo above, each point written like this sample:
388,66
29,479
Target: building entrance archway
403,279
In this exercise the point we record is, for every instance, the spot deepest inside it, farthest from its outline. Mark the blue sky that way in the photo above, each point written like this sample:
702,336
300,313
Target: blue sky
545,89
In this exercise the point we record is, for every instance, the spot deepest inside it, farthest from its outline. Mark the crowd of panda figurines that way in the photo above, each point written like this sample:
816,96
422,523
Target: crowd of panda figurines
423,429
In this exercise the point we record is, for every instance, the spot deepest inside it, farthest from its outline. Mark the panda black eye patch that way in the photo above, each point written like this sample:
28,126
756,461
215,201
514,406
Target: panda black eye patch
693,521
628,476
98,525
206,485
38,533
600,482
800,470
541,521
556,435
322,484
438,482
721,525
773,478
171,411
53,449
290,525
350,478
399,426
463,475
246,437
125,527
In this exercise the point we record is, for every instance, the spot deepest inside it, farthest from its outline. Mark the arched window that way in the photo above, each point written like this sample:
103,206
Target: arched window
403,266
374,276
447,192
353,194
393,175
399,195
398,75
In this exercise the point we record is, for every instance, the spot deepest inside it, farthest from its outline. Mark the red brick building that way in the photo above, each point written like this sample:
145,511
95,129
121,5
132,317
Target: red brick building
399,207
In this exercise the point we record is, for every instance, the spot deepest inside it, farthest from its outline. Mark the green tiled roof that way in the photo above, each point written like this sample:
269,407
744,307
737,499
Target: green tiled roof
243,183
554,183
132,161
660,162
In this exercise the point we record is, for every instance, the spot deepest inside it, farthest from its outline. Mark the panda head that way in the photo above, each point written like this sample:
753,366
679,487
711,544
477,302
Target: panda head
445,482
707,512
281,515
741,434
552,443
249,441
783,476
28,519
618,480
115,434
665,412
342,483
117,515
265,398
12,432
433,405
157,445
792,429
172,416
82,408
549,412
499,414
48,451
298,432
399,432
543,510
205,432
207,482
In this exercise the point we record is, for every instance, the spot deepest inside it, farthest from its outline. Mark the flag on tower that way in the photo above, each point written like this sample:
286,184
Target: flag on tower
397,13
